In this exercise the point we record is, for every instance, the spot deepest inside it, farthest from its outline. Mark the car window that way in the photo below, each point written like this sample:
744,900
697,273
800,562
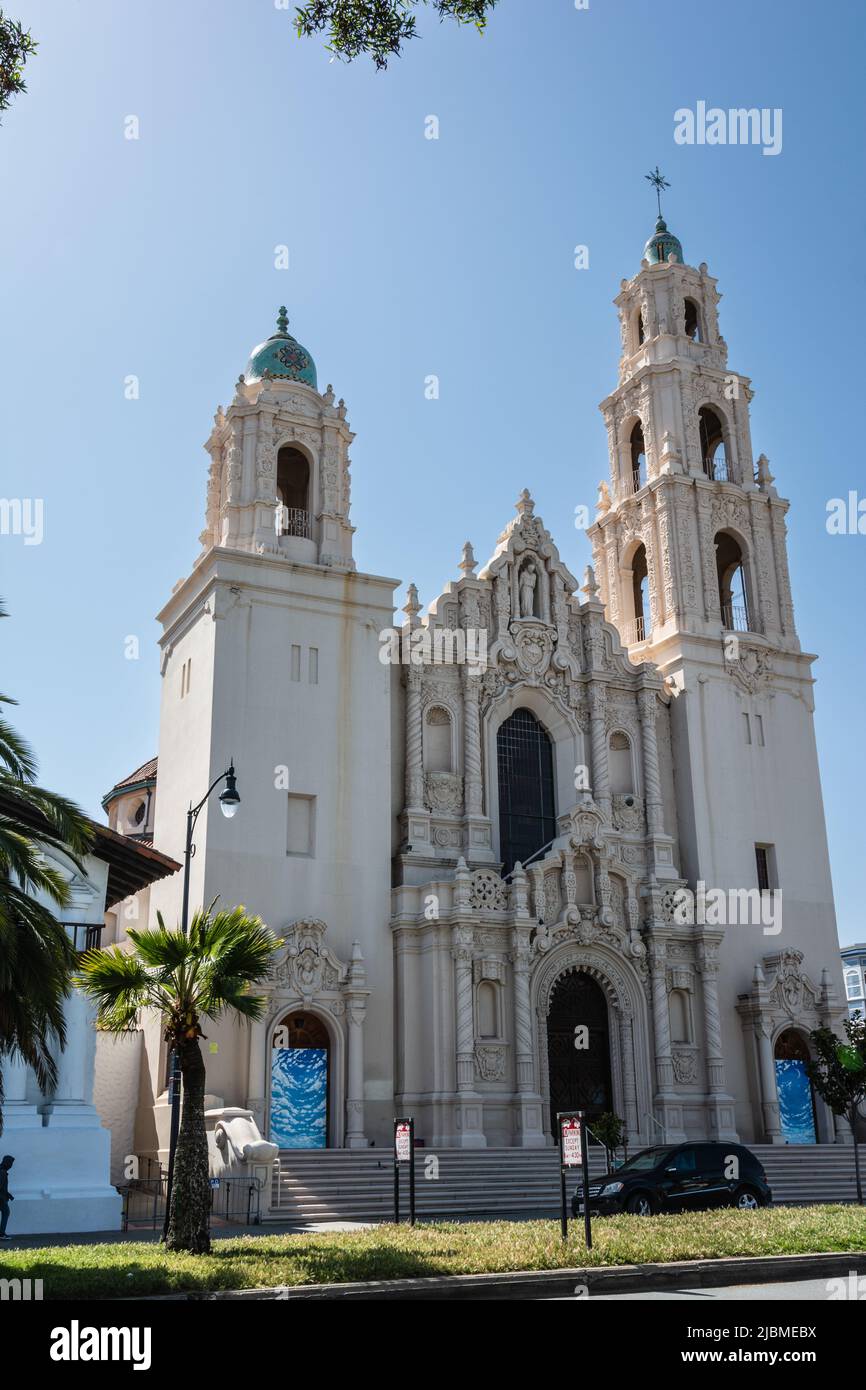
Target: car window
645,1160
686,1161
712,1157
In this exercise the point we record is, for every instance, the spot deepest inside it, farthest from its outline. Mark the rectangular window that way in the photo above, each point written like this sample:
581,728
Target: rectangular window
314,666
760,723
748,729
301,833
853,982
765,861
185,673
296,663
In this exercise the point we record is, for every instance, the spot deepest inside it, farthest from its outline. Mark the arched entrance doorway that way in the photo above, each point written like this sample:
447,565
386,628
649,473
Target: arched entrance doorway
300,1065
579,1074
797,1115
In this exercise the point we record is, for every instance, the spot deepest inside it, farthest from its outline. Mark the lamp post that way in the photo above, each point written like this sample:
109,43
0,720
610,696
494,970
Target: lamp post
229,800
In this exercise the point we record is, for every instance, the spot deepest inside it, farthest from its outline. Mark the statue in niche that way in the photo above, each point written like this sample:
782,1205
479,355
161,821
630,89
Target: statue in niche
528,581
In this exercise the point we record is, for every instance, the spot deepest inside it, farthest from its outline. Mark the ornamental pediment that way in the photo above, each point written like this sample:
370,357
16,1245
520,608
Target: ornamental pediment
306,966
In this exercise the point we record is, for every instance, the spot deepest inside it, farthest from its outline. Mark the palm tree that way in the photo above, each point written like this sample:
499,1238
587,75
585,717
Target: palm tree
37,957
204,974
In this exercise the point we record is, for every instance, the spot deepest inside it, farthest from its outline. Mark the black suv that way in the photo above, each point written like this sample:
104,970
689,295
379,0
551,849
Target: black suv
680,1177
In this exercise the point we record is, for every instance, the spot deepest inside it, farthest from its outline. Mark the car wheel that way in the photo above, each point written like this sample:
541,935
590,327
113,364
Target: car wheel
640,1204
746,1199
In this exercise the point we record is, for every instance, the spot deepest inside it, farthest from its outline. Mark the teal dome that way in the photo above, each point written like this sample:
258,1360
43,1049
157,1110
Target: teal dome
660,246
282,356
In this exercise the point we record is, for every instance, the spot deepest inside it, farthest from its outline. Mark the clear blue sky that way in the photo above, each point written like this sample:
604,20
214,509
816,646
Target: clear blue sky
408,257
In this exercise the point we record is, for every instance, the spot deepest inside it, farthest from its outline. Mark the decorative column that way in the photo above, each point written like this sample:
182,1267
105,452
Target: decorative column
647,707
657,955
414,742
769,1094
468,1108
598,739
529,1129
256,1073
356,994
629,1087
720,1105
472,743
72,1101
17,1113
666,1103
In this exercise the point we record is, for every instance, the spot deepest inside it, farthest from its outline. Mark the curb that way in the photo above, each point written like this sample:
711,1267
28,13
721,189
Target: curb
553,1283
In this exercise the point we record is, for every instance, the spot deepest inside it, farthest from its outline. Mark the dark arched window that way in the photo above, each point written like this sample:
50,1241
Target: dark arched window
713,453
527,813
693,322
638,458
293,488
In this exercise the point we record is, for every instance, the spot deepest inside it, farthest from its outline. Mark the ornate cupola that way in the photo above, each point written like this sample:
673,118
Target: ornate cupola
279,477
282,356
663,246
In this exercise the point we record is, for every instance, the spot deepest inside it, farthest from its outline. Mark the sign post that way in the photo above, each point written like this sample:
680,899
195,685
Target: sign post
404,1152
573,1154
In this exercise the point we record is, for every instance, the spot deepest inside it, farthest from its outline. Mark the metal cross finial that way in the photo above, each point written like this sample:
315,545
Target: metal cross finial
658,181
283,319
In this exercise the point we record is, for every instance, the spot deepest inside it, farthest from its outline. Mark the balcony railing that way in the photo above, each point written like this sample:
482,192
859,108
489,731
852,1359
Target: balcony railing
636,480
634,631
294,521
717,469
735,617
85,936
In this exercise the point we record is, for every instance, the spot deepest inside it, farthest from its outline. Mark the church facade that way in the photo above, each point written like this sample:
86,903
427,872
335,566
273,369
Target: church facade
543,846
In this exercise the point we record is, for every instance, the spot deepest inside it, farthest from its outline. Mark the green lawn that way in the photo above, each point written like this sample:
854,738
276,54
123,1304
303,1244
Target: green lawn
391,1252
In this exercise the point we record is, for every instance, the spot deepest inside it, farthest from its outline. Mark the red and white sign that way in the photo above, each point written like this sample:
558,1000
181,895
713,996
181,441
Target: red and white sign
402,1143
572,1155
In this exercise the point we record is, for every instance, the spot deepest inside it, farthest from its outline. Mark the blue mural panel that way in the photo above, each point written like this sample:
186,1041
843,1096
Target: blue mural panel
795,1102
299,1097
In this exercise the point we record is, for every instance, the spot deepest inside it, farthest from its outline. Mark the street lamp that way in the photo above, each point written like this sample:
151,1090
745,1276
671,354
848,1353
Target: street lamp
229,800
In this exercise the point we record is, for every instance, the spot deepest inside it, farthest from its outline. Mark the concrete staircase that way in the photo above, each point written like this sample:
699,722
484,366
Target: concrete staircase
358,1184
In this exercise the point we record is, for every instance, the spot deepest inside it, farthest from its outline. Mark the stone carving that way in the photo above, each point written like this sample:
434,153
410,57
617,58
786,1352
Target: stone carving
551,897
487,891
444,792
628,814
685,1068
528,583
792,990
490,1062
534,647
308,967
753,669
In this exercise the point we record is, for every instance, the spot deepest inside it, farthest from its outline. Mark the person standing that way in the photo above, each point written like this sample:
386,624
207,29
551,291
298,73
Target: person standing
5,1195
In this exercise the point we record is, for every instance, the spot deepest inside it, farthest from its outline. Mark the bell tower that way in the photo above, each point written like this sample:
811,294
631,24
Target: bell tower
690,553
689,539
279,476
270,660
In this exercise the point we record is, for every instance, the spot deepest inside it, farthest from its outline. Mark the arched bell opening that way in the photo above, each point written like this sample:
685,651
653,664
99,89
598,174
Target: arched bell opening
293,492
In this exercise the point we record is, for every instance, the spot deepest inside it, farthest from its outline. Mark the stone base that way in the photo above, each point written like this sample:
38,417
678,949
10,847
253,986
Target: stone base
529,1121
60,1179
